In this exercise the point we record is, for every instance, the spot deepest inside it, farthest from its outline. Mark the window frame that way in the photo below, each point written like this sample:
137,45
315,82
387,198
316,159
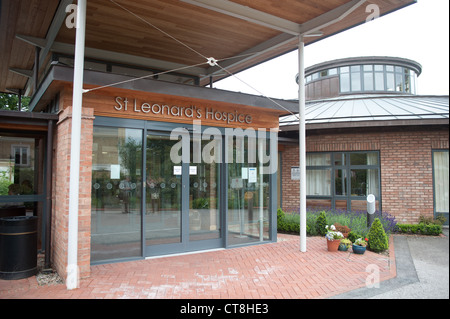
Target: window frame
347,167
435,212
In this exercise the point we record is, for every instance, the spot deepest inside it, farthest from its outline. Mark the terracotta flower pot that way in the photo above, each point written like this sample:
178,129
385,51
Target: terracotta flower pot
333,245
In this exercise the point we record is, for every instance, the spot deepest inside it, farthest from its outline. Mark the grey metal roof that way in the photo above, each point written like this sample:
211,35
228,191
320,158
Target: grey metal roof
354,108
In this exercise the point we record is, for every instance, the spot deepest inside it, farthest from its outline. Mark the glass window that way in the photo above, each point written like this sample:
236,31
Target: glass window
318,182
324,73
363,159
339,159
356,78
441,178
389,68
17,166
332,71
344,69
399,82
390,82
368,81
340,182
116,193
345,82
379,68
413,82
364,182
350,178
318,159
368,68
379,81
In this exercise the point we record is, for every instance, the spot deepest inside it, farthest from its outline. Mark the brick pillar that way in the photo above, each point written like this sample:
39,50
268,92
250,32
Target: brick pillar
61,192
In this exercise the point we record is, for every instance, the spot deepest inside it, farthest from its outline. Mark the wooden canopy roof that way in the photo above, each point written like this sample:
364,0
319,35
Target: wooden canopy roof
171,34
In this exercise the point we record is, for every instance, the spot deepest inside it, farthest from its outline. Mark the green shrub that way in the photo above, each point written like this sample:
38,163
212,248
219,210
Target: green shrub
378,241
287,223
421,229
280,219
352,236
321,223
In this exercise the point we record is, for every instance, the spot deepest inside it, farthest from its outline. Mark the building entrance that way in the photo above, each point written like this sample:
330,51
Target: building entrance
182,210
160,188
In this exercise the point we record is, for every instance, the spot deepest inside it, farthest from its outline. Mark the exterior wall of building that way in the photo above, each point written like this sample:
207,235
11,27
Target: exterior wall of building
108,105
61,181
406,166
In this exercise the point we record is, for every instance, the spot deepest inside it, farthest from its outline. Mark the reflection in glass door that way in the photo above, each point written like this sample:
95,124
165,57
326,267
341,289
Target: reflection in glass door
204,200
163,193
116,193
182,199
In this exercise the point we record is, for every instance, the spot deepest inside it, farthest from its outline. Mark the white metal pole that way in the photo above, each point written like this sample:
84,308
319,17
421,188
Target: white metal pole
261,184
302,142
72,281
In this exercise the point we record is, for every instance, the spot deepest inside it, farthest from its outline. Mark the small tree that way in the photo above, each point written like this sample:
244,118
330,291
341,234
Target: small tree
10,101
321,223
378,240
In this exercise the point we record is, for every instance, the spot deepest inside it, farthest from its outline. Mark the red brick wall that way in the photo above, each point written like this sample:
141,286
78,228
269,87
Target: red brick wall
406,166
61,179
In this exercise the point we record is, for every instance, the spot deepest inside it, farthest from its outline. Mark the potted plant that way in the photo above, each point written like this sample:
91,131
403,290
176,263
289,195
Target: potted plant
333,238
359,246
343,229
345,244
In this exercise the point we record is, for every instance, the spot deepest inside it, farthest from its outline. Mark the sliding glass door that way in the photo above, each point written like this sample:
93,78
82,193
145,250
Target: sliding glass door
163,208
155,193
182,211
116,193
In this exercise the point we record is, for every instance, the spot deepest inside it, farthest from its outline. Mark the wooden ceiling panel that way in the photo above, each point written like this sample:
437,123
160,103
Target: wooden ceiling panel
293,10
111,27
31,17
126,29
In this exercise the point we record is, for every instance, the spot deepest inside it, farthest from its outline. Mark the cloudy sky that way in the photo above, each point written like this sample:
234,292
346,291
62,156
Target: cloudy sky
419,32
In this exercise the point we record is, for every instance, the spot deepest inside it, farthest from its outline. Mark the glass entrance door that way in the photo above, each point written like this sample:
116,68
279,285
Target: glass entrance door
163,200
204,196
181,200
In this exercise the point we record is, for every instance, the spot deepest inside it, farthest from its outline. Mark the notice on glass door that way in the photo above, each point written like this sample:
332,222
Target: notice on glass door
177,170
115,171
252,174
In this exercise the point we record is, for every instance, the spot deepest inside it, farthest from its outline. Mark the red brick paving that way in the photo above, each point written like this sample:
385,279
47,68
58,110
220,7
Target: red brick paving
276,270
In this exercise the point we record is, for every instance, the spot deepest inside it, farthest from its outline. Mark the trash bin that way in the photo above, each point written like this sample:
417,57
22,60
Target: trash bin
18,247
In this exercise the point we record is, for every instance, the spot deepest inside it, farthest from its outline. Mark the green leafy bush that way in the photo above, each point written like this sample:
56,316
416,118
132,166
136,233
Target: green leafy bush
287,223
420,229
378,240
321,223
353,236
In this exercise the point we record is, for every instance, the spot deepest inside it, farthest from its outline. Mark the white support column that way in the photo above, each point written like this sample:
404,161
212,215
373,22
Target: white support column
302,142
72,281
